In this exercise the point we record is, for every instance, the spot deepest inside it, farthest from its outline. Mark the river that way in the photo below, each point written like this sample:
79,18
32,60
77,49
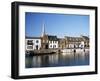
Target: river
55,60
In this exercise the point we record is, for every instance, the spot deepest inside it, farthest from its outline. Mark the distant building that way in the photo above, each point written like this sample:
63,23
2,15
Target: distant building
53,41
62,43
73,42
86,41
77,42
44,42
33,43
49,41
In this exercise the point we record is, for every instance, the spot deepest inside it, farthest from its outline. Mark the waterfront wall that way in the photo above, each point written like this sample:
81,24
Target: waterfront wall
75,50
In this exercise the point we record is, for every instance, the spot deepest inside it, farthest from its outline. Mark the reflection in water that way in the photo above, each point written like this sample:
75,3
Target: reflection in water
53,60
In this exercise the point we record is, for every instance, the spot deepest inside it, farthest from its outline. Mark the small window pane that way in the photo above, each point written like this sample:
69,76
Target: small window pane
30,42
37,41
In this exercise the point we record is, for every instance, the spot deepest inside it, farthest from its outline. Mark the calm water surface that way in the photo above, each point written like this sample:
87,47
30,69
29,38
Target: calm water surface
55,60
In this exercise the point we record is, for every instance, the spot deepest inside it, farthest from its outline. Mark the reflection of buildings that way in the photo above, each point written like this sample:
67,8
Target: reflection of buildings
52,42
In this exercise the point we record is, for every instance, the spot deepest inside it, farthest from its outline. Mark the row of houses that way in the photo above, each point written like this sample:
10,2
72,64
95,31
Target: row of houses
52,42
46,41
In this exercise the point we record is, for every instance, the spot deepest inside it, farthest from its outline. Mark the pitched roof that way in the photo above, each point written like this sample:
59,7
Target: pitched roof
81,38
51,37
85,37
32,37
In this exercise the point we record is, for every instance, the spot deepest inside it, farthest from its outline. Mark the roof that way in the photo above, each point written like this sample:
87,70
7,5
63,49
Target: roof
85,37
51,37
81,38
73,38
33,37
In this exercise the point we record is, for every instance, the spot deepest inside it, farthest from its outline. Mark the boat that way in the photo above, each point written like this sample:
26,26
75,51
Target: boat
39,52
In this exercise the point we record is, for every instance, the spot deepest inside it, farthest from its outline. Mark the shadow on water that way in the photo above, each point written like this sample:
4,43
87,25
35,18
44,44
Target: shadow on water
55,60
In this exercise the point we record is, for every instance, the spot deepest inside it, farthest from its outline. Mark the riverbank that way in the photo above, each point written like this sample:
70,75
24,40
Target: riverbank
74,50
53,51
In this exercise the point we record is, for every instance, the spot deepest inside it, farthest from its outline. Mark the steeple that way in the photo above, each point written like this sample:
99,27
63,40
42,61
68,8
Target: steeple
43,29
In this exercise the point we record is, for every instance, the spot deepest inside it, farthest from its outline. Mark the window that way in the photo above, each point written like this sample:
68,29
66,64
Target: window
55,41
46,41
29,47
54,46
37,41
43,41
30,42
51,46
50,41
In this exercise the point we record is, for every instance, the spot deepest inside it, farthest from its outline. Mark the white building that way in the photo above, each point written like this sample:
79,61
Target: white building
53,44
33,43
82,44
53,41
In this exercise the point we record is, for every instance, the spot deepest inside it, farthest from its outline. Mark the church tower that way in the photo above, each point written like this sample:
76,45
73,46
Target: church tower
44,38
43,29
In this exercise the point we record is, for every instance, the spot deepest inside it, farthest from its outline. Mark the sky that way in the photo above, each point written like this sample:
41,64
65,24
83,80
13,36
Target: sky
56,24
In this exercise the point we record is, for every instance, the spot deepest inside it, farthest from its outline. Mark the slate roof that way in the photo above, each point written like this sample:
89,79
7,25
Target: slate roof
81,38
52,38
32,37
85,37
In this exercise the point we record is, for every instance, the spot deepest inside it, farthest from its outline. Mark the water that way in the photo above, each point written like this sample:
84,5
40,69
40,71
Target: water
55,60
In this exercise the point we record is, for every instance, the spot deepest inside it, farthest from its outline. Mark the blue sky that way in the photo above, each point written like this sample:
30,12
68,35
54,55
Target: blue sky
56,24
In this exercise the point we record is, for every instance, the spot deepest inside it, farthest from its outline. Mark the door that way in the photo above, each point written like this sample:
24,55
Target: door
36,47
46,47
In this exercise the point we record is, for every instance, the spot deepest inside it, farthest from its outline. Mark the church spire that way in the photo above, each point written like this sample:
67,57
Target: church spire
43,29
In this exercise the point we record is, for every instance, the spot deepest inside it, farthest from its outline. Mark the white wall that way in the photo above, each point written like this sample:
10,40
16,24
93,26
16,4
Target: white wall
34,44
53,43
5,41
